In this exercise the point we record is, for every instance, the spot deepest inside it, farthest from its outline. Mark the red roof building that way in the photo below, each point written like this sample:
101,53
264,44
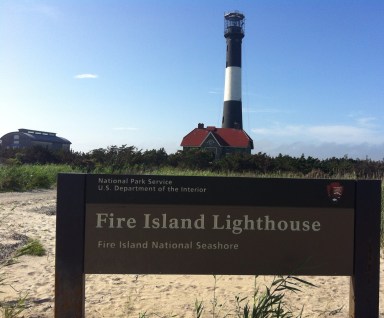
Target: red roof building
221,141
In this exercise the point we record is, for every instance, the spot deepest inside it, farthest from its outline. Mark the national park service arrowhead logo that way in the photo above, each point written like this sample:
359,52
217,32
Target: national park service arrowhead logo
335,191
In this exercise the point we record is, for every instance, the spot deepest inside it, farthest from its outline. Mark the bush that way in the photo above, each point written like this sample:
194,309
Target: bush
11,179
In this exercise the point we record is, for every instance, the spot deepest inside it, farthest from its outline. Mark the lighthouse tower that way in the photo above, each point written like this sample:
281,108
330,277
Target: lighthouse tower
234,33
230,138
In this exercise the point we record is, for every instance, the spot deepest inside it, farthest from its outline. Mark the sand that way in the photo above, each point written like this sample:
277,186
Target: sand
32,214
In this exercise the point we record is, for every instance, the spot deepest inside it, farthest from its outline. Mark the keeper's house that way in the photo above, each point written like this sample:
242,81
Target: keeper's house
221,141
27,138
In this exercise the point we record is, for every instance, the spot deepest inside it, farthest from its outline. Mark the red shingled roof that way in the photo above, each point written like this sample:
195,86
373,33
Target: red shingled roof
226,137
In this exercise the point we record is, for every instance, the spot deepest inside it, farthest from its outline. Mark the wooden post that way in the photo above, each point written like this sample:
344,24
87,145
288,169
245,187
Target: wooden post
69,272
364,290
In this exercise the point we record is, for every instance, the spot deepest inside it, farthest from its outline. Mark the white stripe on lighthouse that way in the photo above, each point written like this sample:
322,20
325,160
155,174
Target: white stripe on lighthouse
232,86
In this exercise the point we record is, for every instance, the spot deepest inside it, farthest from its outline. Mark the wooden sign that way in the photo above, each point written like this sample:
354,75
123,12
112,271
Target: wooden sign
216,225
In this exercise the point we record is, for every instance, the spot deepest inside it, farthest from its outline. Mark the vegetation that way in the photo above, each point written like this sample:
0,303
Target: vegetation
266,301
126,159
27,169
28,177
33,248
271,302
130,160
13,309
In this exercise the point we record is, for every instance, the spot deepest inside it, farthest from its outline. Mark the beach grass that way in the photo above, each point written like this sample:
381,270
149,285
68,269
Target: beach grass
270,302
30,177
33,248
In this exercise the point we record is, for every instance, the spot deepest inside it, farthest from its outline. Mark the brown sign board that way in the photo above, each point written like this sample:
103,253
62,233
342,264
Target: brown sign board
216,225
207,225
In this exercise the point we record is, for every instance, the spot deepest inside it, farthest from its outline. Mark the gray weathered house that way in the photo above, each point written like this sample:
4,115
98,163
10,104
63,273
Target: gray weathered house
27,138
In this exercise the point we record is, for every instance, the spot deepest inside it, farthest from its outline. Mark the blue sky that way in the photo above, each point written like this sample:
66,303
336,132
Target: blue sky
145,73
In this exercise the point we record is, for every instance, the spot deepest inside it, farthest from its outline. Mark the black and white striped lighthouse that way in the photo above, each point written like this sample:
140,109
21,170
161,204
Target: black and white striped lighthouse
230,138
234,33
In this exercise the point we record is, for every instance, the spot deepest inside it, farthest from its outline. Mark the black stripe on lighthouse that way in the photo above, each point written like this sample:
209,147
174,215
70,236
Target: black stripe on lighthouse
234,33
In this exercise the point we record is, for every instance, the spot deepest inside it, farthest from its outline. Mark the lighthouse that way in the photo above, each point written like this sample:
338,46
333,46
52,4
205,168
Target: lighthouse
234,34
230,138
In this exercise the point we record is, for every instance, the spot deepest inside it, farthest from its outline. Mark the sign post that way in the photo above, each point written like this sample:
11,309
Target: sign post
216,225
364,294
69,269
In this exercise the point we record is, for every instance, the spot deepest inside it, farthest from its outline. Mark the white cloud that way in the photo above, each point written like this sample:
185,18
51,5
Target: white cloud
215,92
82,76
262,111
366,121
363,119
323,133
360,139
279,131
321,150
125,128
44,10
342,133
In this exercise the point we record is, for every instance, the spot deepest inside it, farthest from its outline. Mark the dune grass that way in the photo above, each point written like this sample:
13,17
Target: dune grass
29,177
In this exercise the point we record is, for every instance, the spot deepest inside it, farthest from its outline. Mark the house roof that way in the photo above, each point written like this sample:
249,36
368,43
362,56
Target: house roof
226,137
41,136
47,138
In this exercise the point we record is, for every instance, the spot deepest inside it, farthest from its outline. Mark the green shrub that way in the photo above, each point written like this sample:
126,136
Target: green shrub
11,179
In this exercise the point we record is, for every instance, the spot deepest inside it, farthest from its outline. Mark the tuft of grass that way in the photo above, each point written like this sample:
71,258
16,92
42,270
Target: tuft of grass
267,302
14,310
199,308
271,303
33,248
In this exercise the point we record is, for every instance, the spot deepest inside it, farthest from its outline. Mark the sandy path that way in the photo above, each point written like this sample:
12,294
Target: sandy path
33,214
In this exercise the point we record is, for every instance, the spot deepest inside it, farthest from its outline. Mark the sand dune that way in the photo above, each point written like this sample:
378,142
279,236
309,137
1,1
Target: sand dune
32,214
